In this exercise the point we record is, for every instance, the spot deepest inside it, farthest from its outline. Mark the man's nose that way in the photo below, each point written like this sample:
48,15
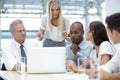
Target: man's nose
23,32
72,35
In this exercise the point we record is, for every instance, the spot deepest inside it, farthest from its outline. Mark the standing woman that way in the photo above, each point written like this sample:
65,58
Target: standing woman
54,26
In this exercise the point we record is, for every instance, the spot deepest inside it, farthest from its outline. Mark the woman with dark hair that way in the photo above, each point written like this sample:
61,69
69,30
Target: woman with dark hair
104,50
97,35
111,70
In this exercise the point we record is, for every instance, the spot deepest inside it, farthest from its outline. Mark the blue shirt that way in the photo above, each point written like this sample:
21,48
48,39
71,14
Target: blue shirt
84,51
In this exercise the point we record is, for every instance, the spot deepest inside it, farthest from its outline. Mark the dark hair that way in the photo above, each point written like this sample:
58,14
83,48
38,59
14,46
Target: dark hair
113,21
99,32
78,23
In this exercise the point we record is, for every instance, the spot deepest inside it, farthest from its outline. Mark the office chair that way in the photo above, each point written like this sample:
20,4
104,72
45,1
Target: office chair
3,67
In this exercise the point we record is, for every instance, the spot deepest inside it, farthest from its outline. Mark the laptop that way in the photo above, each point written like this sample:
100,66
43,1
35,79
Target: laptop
46,60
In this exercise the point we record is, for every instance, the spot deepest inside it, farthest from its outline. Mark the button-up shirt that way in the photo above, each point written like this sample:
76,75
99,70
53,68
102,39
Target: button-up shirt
84,51
11,52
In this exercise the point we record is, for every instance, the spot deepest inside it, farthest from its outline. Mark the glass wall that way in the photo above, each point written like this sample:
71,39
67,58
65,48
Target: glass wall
31,12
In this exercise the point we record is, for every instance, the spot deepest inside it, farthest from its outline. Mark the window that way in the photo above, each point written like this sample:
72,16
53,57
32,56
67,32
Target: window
31,12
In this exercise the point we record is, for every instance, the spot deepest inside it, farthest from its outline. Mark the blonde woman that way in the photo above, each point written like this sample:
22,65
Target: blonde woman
54,26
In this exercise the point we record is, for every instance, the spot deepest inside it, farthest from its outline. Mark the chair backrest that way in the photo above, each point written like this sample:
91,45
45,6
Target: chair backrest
3,67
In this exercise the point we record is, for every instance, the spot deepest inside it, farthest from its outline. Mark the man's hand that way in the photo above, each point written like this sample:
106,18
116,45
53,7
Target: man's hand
71,66
74,48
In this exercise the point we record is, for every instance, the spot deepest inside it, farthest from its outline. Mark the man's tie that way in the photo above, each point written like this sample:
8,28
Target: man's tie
78,48
23,53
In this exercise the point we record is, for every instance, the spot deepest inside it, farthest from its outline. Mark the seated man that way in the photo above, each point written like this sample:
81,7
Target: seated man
79,46
17,47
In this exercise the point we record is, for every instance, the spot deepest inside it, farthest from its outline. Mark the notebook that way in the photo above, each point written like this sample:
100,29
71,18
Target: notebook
46,60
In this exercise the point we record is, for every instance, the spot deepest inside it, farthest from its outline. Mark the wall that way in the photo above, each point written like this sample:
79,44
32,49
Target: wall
112,6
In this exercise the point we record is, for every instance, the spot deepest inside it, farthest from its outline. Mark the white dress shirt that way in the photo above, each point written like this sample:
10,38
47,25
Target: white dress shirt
11,52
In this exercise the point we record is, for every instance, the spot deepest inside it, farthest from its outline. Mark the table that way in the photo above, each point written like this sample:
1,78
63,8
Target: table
13,75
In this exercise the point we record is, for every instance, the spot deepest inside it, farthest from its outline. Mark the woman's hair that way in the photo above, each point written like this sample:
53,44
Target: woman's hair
99,32
51,3
113,21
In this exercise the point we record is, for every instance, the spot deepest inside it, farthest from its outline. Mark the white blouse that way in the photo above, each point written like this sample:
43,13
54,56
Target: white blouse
54,33
113,66
104,48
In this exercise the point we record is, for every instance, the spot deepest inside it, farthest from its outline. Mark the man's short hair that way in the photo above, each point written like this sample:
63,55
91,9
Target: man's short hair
15,22
80,24
113,21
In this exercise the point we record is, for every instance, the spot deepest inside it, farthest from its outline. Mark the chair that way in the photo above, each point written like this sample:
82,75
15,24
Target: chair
3,67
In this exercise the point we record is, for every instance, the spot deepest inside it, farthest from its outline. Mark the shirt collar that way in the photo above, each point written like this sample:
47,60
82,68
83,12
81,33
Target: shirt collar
18,44
82,45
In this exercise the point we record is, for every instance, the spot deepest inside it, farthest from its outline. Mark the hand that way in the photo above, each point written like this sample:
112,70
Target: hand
71,66
105,75
66,36
74,48
92,73
39,35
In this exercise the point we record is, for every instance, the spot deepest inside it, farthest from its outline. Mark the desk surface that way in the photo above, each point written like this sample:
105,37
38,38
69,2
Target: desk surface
12,75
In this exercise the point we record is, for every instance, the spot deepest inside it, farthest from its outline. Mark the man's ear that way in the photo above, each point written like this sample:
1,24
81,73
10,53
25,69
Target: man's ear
83,32
12,33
